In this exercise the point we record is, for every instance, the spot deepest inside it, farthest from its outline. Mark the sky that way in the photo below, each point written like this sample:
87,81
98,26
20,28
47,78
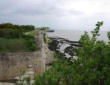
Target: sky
56,14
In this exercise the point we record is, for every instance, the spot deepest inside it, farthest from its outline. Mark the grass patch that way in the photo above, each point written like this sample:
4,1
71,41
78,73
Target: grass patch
14,45
17,38
33,33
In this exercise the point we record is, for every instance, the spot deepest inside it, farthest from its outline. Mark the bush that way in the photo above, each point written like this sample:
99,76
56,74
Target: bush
11,33
27,28
31,45
8,30
109,35
8,26
12,45
31,42
91,68
43,28
29,36
44,38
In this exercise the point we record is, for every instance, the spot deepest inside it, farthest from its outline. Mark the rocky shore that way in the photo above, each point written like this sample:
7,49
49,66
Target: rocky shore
64,46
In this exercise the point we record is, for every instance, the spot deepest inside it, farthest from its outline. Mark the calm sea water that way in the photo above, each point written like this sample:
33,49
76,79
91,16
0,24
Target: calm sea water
75,35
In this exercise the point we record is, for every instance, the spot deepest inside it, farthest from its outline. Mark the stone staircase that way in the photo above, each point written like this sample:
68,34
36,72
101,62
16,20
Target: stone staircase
7,83
27,76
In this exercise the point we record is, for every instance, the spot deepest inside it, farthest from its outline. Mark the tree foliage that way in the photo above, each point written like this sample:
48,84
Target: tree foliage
91,68
27,28
109,35
43,28
8,30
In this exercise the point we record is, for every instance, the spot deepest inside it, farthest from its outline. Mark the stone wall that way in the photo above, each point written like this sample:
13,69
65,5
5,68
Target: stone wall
13,63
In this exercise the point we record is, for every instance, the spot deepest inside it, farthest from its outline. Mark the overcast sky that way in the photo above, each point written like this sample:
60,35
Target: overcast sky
56,14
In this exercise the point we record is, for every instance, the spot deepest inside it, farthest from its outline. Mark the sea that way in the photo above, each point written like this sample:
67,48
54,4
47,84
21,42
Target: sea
74,35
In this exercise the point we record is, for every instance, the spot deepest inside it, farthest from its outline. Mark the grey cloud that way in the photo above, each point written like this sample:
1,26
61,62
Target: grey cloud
47,13
76,12
38,11
38,7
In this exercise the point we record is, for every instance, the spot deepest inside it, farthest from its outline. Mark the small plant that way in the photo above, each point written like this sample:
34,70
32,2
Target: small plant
22,80
44,38
31,44
109,35
28,80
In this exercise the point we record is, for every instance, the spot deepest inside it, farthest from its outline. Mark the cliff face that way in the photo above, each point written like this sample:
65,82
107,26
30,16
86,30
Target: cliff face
12,64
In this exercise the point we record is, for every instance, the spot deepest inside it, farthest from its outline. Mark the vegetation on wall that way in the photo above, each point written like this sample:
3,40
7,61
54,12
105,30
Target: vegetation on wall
24,28
14,38
11,33
27,28
13,45
43,28
44,38
109,35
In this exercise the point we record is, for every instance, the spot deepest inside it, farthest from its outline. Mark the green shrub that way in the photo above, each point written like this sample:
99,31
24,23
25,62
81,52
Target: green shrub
27,28
31,42
21,44
31,45
91,68
29,36
109,35
13,38
11,33
43,28
12,45
24,28
8,30
44,38
8,26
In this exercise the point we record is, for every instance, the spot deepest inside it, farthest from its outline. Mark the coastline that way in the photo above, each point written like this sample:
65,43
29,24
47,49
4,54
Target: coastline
75,35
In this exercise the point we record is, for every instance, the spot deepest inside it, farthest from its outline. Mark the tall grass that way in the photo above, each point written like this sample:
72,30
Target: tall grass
13,45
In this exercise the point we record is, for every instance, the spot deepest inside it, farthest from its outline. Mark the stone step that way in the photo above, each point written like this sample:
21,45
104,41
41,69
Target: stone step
29,73
29,66
7,83
25,83
30,69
